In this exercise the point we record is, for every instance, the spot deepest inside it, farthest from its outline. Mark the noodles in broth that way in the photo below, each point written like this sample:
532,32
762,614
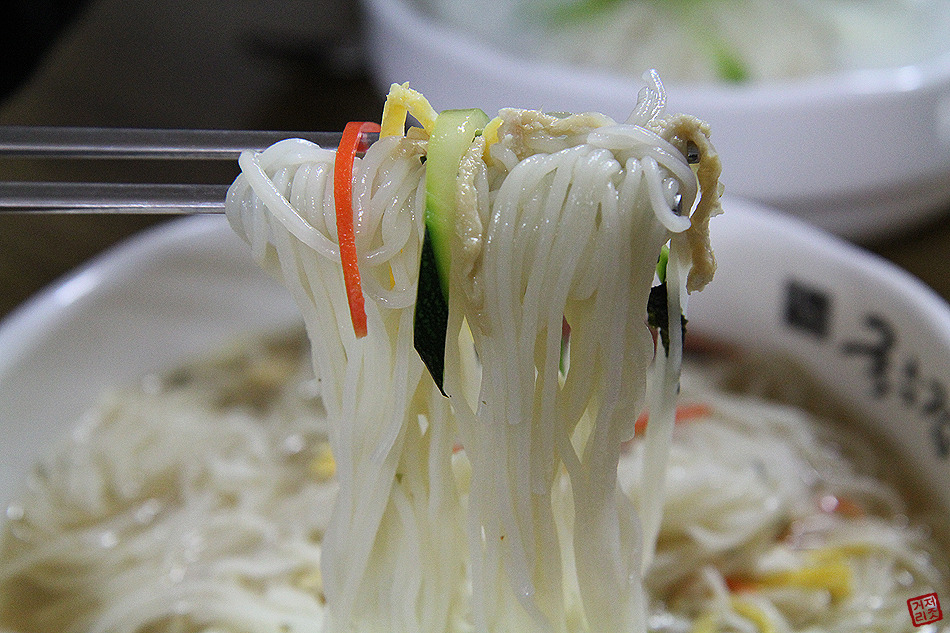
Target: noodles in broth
248,495
564,219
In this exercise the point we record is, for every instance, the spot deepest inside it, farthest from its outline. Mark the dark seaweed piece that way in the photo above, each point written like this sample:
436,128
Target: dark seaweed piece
658,315
432,315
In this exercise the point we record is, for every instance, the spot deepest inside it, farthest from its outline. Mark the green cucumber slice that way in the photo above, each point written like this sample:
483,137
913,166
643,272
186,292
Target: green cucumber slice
451,137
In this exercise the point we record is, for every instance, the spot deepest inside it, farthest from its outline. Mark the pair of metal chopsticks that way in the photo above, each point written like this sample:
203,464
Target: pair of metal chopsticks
71,143
31,142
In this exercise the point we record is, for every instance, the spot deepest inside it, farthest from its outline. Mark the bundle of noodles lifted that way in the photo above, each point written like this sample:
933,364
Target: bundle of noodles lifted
478,490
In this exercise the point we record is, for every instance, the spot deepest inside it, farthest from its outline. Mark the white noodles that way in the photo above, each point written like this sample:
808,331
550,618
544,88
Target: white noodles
164,506
371,387
497,508
194,507
564,220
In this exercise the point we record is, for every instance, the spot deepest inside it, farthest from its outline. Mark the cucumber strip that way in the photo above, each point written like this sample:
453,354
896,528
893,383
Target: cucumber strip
662,262
658,316
452,134
431,320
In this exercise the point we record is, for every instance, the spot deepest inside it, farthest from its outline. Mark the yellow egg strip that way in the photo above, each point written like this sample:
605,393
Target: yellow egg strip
834,577
323,466
400,102
754,614
706,623
838,552
490,134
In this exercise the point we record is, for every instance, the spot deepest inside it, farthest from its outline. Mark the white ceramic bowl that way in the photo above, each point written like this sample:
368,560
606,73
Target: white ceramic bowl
862,154
190,286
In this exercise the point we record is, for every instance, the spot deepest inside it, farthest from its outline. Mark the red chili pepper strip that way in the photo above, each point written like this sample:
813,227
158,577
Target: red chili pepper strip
737,584
841,505
352,142
684,412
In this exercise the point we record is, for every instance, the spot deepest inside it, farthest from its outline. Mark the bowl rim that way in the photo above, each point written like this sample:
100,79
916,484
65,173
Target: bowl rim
126,259
24,325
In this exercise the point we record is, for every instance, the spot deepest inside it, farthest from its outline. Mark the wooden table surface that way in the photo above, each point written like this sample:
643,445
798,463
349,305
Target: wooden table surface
156,65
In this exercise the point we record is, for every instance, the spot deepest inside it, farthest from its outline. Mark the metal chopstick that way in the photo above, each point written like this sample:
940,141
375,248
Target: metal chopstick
76,143
133,143
111,198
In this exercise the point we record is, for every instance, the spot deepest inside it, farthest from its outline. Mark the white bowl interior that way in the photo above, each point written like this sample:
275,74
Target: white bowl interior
190,286
875,335
155,301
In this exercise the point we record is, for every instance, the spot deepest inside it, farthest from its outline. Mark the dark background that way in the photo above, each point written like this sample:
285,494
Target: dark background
242,64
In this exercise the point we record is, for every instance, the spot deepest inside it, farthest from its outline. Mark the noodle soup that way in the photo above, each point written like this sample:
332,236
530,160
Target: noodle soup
489,304
198,499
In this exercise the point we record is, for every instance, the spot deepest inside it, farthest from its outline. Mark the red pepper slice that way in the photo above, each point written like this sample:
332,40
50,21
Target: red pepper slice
684,413
738,584
353,141
840,505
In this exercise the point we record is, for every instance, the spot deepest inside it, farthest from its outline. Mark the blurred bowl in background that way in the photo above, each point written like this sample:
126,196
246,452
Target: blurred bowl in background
863,153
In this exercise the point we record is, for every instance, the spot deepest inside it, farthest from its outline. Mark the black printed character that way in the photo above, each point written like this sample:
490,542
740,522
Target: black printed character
941,434
936,405
807,309
877,352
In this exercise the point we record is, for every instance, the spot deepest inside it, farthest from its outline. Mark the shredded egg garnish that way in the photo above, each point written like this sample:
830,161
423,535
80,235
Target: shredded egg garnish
400,102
